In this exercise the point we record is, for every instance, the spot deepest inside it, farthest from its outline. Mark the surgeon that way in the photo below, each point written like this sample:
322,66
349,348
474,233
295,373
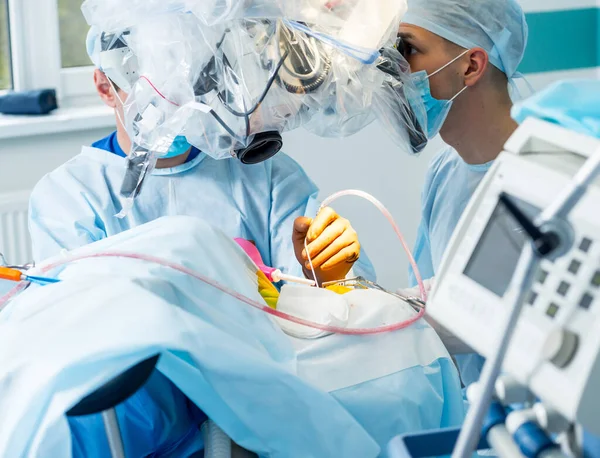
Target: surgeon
269,203
464,56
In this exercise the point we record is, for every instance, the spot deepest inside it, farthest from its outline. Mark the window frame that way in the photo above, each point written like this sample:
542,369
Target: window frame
33,66
10,57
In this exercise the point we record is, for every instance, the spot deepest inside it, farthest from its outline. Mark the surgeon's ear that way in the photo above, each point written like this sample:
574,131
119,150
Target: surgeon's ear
105,89
478,64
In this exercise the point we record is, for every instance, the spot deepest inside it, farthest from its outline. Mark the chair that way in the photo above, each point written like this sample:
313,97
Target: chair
114,392
119,389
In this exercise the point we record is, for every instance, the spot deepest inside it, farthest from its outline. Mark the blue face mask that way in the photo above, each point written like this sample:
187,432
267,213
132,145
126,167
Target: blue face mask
180,146
436,110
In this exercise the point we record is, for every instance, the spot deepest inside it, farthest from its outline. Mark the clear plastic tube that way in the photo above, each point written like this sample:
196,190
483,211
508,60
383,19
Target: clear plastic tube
251,302
216,443
388,216
222,288
12,293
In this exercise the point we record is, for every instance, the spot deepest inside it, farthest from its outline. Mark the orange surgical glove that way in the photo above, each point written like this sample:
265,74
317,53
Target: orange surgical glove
332,244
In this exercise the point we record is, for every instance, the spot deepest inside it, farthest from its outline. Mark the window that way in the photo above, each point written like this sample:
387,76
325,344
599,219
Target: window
42,45
5,61
73,32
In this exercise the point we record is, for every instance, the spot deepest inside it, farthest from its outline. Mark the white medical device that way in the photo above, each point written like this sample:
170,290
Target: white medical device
555,349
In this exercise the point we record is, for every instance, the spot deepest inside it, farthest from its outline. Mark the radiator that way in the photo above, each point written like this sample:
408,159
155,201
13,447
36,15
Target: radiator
15,242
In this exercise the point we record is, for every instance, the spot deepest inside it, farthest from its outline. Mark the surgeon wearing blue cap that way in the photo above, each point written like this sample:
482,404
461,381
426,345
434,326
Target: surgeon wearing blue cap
464,56
270,203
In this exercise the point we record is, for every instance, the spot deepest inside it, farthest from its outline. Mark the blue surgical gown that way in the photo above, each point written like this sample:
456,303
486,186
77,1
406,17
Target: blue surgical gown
449,185
76,205
591,446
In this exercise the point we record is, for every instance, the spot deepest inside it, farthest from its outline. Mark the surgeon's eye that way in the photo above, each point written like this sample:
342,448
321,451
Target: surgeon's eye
404,47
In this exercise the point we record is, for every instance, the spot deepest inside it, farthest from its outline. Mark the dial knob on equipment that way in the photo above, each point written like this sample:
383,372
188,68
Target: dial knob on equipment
560,347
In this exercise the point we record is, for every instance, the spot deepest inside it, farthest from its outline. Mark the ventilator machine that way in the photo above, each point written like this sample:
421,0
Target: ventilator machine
520,285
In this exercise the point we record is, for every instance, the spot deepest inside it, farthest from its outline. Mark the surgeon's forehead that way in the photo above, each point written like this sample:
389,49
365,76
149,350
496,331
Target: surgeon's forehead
419,36
409,31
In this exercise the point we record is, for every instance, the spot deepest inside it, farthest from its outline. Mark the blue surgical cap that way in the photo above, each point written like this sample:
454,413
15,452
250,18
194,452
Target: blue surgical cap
498,26
92,44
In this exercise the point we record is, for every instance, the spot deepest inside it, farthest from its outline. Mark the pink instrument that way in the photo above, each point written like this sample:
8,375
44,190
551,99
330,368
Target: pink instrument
274,275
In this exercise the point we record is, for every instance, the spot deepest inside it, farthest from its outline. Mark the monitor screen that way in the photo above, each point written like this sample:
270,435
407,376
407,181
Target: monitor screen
497,253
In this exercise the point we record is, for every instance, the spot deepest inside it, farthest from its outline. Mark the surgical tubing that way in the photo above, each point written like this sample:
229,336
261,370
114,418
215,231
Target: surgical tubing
216,443
390,218
533,440
251,302
12,293
226,290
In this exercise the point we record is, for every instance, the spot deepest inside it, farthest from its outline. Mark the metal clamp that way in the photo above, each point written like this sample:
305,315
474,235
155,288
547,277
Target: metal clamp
362,283
22,268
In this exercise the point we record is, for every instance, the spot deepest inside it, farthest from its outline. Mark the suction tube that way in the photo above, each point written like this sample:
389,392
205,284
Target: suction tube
390,218
261,306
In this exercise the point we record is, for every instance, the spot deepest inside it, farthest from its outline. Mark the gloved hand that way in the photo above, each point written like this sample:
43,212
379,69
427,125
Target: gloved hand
332,245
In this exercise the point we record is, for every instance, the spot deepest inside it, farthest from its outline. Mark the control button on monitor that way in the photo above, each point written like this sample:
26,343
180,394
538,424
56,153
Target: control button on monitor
585,245
586,301
552,310
574,266
563,288
532,298
596,279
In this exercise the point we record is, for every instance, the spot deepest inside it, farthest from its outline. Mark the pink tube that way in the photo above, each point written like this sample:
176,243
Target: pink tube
333,329
388,215
254,254
157,91
12,293
226,290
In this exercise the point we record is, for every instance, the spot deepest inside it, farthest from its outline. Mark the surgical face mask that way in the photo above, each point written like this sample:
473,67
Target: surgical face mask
437,110
180,146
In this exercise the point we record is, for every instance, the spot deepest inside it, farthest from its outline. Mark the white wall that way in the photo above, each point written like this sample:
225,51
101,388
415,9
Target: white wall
369,161
23,161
